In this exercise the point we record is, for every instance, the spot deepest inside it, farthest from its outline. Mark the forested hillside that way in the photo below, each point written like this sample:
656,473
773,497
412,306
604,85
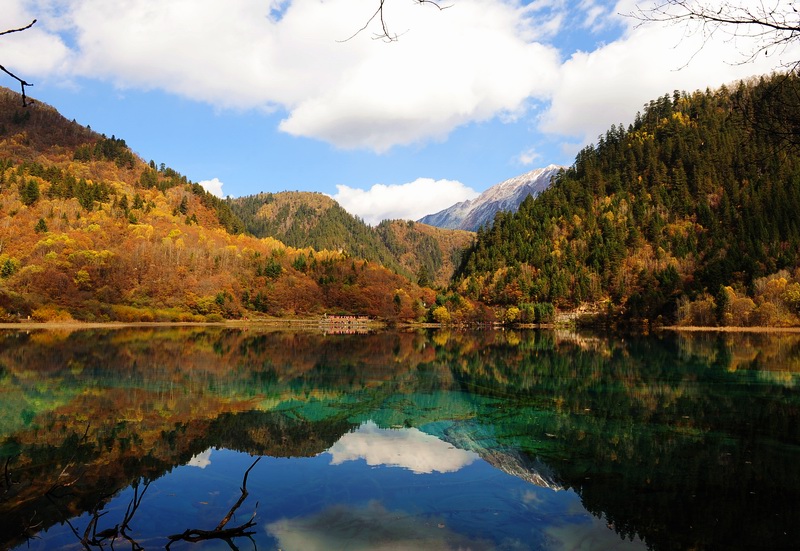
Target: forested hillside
431,254
306,219
90,231
303,219
689,213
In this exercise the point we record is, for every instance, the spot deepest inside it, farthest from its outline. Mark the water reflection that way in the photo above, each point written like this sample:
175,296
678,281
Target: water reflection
201,460
410,449
368,528
441,439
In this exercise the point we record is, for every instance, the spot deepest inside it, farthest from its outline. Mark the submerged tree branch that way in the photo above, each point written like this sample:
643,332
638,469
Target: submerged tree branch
7,475
220,532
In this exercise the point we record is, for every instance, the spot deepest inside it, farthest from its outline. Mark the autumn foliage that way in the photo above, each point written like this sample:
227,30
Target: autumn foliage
88,231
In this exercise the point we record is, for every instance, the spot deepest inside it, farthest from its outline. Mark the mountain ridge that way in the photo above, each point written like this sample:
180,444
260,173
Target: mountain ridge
311,219
506,196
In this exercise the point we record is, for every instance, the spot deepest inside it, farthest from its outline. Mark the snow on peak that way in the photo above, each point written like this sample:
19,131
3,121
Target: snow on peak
505,196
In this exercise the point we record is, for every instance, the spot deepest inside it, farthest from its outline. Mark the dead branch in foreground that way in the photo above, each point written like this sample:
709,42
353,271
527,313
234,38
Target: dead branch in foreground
220,532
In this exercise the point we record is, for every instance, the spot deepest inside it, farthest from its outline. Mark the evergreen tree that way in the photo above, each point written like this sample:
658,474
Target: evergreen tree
29,192
697,185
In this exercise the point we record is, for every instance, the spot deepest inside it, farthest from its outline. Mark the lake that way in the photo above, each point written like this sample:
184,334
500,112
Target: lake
218,438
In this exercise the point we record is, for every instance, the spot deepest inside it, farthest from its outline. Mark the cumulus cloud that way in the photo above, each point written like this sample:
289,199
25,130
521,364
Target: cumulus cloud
469,63
478,60
214,186
409,201
466,64
411,449
610,84
36,51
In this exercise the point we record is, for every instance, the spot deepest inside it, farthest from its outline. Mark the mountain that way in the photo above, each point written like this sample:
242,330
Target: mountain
689,214
505,196
305,219
89,231
431,254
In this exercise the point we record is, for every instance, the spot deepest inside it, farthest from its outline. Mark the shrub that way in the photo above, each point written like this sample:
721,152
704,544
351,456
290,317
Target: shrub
441,314
544,312
51,314
512,314
130,314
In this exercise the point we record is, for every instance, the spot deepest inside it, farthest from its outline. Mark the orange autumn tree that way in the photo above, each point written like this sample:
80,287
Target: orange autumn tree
89,231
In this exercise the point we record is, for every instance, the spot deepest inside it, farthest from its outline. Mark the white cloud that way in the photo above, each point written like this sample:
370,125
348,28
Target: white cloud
409,201
477,60
201,460
213,186
471,62
411,449
528,157
610,84
35,51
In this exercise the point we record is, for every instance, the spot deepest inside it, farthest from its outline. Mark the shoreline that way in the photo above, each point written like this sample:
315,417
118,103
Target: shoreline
297,323
322,324
727,329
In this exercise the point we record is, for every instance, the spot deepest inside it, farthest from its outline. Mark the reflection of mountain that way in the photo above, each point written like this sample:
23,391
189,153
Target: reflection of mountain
508,459
612,420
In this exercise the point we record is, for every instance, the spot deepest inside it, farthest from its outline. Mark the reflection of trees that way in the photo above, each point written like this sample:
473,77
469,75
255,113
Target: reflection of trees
92,538
158,397
50,483
708,443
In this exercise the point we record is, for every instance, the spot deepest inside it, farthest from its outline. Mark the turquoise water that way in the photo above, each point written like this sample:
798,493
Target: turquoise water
397,440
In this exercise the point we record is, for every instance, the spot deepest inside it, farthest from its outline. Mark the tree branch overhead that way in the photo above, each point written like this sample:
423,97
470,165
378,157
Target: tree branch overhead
770,26
385,34
23,83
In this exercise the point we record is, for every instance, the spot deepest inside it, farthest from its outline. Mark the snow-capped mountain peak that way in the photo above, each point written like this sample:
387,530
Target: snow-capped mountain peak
505,196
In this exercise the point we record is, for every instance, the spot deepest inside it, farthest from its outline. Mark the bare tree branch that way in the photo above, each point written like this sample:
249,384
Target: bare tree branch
22,83
25,28
767,27
385,35
220,532
6,475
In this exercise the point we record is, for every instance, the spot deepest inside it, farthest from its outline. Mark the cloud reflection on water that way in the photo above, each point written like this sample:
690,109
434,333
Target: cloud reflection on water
408,448
372,527
201,460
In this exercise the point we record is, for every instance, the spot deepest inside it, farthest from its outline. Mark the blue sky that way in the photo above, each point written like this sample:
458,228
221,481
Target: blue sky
250,95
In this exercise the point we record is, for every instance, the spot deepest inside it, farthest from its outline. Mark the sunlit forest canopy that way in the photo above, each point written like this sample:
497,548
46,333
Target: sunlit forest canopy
699,193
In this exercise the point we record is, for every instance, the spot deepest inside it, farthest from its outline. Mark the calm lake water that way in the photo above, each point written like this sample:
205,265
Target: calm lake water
264,440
